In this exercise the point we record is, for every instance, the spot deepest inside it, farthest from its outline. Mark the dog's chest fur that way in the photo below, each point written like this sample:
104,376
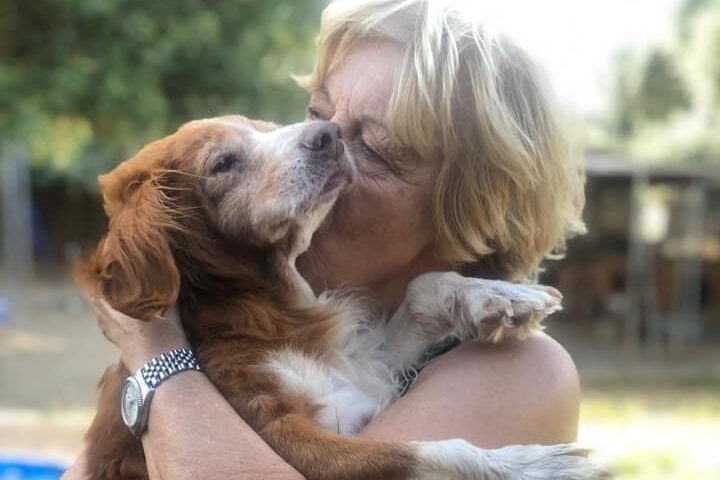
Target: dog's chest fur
351,383
327,359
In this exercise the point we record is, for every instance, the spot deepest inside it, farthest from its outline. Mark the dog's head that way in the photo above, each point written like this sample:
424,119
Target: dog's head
214,183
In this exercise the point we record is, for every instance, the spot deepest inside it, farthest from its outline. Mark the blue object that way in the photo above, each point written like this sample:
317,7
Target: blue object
5,311
28,469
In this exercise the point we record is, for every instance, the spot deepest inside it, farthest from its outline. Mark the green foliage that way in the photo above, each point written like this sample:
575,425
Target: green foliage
87,82
688,11
660,91
666,102
648,89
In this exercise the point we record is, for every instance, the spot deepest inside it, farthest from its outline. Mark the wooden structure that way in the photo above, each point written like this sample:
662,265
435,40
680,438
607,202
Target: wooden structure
646,270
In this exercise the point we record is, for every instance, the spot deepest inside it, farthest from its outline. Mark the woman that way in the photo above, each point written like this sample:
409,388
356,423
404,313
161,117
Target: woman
462,166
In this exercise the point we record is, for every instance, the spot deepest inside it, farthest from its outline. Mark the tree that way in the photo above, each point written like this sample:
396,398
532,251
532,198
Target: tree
649,88
85,83
666,102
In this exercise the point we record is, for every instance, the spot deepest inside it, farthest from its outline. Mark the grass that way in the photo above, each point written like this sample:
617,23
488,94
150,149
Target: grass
654,432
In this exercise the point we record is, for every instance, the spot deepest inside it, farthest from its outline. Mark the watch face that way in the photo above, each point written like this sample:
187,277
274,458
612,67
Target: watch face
129,405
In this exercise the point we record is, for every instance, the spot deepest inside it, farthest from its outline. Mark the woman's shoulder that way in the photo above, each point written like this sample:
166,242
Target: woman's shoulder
539,350
519,391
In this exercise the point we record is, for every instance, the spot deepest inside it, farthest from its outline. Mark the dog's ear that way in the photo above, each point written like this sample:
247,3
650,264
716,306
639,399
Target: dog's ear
120,184
133,267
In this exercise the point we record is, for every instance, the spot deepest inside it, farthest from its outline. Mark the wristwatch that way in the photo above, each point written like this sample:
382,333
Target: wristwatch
138,389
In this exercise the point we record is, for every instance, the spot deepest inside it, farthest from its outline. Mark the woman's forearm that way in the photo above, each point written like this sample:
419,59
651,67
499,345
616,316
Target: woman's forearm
194,433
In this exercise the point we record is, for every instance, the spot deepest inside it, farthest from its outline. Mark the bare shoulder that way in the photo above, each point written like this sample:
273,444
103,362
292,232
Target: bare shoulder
493,395
539,359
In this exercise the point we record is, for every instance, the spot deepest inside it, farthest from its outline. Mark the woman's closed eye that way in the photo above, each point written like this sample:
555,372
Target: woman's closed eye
314,114
401,163
370,153
380,164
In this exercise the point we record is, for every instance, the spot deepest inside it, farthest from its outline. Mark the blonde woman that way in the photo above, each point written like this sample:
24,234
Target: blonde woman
462,166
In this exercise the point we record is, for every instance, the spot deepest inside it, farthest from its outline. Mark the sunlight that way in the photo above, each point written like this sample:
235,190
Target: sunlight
576,40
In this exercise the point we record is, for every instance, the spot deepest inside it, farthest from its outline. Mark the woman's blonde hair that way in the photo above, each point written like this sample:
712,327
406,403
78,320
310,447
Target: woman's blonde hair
509,193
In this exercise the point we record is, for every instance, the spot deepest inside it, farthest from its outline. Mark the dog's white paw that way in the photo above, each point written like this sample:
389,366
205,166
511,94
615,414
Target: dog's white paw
457,460
542,462
497,309
487,309
460,460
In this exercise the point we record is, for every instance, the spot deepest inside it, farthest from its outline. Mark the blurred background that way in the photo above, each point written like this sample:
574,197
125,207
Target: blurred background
85,83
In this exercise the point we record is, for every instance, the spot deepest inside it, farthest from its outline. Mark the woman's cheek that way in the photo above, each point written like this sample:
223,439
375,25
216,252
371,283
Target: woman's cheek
368,168
355,209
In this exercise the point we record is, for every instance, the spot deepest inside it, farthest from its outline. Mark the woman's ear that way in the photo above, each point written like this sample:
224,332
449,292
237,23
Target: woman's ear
133,267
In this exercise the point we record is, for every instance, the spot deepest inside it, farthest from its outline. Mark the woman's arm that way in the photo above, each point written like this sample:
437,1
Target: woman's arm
192,431
515,392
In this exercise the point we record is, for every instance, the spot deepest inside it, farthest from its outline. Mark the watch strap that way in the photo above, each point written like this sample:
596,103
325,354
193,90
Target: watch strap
166,365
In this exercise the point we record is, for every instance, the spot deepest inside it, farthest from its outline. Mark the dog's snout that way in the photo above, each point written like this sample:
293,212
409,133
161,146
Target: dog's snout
322,137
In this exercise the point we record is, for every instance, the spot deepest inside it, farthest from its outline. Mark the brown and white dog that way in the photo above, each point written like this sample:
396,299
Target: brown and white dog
212,219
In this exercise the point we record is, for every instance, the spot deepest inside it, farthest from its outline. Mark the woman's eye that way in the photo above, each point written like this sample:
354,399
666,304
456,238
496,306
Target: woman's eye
313,114
370,153
224,163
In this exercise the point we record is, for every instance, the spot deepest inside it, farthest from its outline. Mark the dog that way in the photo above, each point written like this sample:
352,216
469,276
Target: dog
212,219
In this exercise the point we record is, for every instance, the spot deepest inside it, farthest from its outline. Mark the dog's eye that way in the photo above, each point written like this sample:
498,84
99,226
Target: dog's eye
224,163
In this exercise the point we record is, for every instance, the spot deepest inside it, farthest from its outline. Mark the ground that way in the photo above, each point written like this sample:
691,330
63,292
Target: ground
651,433
652,421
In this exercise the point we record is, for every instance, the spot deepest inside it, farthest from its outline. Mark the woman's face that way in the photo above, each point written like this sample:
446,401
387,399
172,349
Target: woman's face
380,234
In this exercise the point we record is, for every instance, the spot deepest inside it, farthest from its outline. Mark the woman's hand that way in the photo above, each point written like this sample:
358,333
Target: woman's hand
138,340
180,443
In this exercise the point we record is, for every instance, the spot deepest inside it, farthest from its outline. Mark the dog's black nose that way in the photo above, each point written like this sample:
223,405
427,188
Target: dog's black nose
322,137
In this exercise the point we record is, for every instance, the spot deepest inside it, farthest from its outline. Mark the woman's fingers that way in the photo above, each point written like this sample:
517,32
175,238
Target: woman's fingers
172,315
115,325
139,340
103,315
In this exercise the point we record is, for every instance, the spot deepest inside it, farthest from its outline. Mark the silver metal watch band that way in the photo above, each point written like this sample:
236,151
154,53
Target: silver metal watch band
166,365
138,389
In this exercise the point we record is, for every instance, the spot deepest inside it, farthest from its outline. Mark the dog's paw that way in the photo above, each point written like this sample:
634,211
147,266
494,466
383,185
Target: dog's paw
460,460
495,309
560,462
457,459
482,309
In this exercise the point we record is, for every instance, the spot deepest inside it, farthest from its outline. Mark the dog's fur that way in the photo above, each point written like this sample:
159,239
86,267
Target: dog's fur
212,219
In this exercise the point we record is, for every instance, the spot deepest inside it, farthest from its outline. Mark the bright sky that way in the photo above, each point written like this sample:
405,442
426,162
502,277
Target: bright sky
576,39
